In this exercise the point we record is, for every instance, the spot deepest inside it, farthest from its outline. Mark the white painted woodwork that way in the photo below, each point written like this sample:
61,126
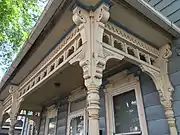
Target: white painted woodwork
87,44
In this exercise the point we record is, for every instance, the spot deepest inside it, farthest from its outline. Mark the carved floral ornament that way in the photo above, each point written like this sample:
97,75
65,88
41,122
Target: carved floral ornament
151,60
81,18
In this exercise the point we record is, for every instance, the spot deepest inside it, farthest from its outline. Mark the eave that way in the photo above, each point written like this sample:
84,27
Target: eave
40,29
45,23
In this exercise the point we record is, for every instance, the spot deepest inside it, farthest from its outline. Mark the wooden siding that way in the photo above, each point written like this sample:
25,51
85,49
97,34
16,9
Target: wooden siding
174,72
155,116
169,8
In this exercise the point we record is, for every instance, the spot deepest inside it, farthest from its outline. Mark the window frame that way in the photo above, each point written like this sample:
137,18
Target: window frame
52,112
120,84
76,95
75,114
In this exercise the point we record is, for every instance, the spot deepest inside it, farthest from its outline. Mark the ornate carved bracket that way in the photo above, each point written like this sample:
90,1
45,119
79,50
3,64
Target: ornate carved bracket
15,102
91,26
163,84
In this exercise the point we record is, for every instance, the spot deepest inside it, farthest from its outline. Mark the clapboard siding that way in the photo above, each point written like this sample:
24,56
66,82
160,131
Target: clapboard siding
155,116
169,8
174,73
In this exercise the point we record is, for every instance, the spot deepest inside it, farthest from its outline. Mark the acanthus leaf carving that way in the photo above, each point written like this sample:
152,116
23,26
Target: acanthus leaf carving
102,14
78,16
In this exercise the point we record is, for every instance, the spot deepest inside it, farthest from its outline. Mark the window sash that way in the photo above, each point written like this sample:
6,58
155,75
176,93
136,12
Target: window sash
120,86
54,120
113,104
76,114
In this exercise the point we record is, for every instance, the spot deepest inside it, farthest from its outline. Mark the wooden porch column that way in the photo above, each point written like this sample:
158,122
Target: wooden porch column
93,108
14,108
12,124
92,60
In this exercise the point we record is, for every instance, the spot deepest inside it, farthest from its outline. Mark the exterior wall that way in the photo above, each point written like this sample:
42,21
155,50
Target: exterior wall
155,116
174,73
63,117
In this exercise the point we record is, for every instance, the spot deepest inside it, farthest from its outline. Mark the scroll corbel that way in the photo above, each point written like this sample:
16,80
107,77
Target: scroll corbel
163,84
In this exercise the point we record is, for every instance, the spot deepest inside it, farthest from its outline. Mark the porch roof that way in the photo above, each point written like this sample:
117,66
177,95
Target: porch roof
46,19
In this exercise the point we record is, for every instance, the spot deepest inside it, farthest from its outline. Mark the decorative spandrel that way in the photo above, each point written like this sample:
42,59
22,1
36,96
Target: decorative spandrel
77,126
126,113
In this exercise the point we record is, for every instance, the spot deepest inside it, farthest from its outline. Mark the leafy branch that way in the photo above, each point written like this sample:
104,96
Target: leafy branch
17,19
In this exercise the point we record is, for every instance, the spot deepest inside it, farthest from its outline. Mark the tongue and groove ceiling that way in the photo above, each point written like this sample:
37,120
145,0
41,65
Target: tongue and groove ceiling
169,8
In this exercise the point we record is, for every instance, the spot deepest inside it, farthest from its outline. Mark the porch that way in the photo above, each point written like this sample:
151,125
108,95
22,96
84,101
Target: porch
70,78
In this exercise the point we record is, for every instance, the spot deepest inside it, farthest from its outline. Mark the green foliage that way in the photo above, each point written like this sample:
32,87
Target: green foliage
17,17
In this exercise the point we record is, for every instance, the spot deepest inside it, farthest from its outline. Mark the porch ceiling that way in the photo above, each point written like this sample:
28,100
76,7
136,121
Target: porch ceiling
67,80
56,88
59,25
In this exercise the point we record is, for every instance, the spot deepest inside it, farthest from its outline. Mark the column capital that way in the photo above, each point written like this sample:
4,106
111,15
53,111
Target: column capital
79,16
101,14
13,88
93,72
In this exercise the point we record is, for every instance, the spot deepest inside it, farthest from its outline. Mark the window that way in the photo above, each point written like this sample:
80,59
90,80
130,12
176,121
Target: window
77,126
52,126
124,104
51,121
126,113
77,121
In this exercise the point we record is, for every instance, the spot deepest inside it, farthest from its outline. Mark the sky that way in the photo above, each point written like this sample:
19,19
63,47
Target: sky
42,4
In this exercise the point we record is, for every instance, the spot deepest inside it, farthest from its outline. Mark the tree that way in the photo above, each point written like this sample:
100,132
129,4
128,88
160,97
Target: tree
17,17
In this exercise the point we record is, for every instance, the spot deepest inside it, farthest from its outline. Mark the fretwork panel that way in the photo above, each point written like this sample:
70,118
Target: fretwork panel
119,41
